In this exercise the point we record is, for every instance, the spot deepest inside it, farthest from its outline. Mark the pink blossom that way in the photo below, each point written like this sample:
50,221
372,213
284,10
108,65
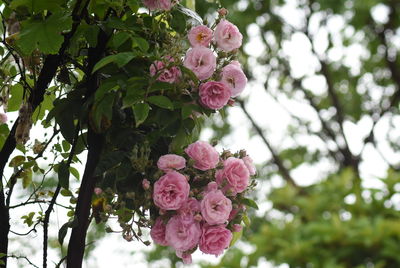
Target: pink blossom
227,36
233,214
236,174
214,95
145,184
186,257
158,4
171,191
182,235
3,118
204,155
170,75
234,78
98,191
189,209
169,162
212,186
157,232
214,239
215,207
249,164
200,36
201,61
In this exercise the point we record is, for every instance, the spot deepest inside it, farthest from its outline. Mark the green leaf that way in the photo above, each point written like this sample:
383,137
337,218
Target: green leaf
43,34
66,192
246,220
66,146
235,237
103,109
63,175
158,85
90,33
135,91
17,161
133,5
250,203
161,101
36,6
63,232
188,110
179,21
74,172
141,111
141,43
120,38
104,88
120,59
15,101
46,105
26,176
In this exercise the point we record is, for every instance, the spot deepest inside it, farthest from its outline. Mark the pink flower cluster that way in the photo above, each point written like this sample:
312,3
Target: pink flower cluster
199,199
201,60
219,81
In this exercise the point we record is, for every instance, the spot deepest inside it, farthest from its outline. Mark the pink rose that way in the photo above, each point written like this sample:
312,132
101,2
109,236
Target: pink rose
3,118
227,36
158,4
249,164
236,174
171,191
186,257
204,155
169,162
157,232
182,235
170,75
234,78
200,36
211,186
201,61
214,239
214,95
215,207
189,209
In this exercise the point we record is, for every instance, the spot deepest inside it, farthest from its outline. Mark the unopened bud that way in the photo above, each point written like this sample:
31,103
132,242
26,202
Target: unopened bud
223,12
146,184
98,191
231,102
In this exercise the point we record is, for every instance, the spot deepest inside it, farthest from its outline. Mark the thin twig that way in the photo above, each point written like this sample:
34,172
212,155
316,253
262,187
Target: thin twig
282,169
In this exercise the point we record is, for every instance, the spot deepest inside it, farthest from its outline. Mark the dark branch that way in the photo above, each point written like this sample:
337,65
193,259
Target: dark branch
282,169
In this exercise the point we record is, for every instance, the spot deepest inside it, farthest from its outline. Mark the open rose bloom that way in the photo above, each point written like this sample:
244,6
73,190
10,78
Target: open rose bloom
200,199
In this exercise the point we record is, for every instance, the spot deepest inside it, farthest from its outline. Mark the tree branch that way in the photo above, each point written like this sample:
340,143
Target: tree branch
76,246
54,198
282,169
46,75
